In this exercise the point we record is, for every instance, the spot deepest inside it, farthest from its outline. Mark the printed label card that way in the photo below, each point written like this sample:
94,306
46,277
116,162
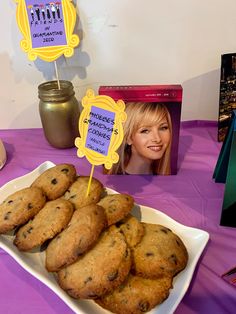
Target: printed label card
47,28
101,130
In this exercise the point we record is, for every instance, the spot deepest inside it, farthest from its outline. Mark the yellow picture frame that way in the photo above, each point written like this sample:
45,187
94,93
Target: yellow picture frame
108,104
49,53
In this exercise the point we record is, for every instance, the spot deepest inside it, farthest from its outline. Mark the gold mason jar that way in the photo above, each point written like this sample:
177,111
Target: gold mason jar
59,113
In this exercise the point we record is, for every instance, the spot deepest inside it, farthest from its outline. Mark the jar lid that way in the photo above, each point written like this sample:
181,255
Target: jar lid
50,92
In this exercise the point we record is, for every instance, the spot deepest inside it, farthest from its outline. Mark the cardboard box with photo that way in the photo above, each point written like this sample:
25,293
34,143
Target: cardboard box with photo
151,131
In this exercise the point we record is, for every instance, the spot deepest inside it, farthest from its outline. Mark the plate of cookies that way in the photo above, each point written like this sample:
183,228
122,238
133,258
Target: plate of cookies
98,250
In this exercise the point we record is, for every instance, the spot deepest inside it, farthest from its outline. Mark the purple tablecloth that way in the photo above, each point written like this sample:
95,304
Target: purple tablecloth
191,197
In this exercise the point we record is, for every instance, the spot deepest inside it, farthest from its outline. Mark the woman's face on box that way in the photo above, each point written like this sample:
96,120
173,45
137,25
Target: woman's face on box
151,141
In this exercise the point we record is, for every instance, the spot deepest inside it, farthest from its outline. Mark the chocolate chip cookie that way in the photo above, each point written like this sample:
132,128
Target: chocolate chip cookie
77,193
136,295
161,253
81,234
51,220
56,180
99,270
117,206
20,207
132,229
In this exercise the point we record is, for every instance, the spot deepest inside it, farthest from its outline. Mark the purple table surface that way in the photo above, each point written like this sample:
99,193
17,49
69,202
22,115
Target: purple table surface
191,197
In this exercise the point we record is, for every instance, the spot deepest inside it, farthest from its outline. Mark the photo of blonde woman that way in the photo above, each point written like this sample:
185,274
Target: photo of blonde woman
146,148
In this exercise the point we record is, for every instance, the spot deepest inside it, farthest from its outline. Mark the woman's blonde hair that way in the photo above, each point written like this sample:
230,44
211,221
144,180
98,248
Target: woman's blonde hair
139,113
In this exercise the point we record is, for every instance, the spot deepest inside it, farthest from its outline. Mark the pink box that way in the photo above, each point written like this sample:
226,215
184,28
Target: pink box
170,96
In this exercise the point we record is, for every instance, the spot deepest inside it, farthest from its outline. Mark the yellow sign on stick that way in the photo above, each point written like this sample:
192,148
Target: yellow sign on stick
47,28
101,130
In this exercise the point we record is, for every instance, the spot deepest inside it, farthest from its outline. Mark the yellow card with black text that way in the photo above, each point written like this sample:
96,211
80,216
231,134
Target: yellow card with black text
101,129
47,28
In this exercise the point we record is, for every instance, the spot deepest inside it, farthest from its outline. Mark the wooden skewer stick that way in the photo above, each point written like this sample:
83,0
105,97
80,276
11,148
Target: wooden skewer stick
57,76
90,180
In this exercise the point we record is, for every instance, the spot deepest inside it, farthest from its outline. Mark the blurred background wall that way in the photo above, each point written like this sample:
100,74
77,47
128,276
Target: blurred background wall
124,42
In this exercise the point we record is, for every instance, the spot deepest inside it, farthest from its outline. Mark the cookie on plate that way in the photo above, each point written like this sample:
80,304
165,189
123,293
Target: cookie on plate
20,207
161,253
132,229
136,295
56,180
51,220
117,206
81,233
99,270
77,193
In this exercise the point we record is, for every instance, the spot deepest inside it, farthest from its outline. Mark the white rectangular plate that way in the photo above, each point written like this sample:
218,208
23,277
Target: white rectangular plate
194,239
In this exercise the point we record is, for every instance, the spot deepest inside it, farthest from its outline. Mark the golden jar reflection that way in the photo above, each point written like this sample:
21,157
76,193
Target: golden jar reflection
59,113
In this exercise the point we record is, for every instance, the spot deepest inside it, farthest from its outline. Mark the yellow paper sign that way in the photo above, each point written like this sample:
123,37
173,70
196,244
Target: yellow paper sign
47,28
101,129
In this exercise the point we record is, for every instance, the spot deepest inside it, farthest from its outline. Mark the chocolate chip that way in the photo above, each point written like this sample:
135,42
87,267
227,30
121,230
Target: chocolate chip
30,206
149,254
54,181
173,259
118,224
112,276
88,280
164,230
121,231
144,306
9,202
7,215
65,170
79,253
128,226
30,229
120,288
